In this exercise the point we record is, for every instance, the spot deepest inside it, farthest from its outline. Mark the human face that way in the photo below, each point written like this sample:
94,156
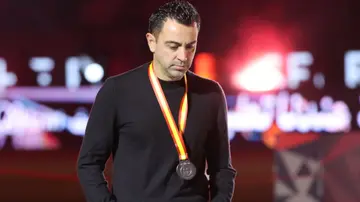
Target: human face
174,49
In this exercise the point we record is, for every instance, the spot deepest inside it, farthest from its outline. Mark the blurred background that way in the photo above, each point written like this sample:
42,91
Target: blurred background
290,71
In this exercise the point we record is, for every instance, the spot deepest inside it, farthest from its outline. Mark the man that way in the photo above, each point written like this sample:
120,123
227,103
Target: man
135,118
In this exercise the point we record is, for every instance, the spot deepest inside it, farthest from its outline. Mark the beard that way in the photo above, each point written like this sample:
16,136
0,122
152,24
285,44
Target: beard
176,72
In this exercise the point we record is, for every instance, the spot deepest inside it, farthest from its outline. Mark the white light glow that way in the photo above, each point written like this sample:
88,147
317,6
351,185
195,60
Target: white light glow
94,73
262,75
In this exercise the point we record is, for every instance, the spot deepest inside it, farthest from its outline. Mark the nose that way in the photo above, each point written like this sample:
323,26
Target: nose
182,55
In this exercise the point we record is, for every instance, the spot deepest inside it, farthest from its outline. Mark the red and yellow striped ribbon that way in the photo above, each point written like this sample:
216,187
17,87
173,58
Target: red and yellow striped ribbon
175,133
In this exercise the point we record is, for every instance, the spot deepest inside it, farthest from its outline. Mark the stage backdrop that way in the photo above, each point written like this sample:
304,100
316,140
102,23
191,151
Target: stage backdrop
43,118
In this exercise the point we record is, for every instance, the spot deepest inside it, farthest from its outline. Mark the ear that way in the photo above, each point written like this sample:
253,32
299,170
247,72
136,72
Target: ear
151,40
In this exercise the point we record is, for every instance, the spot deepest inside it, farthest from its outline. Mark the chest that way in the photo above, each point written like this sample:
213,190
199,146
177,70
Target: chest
143,124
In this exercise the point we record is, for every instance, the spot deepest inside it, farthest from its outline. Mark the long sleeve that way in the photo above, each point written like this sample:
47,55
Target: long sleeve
220,170
97,145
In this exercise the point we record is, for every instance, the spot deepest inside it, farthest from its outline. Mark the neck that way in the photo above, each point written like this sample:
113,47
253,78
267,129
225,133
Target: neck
160,74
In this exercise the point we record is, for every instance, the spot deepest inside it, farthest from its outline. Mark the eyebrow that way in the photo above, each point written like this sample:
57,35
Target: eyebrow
179,44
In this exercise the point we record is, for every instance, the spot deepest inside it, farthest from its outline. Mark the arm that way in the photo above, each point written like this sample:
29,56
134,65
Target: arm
221,173
96,146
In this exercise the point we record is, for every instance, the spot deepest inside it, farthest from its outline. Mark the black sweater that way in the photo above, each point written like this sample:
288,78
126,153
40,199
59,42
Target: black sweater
126,121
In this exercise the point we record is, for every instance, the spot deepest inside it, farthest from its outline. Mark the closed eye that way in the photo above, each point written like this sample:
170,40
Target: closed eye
173,47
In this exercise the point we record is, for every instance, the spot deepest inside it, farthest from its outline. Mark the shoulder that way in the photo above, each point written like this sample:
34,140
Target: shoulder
130,76
205,85
210,89
126,80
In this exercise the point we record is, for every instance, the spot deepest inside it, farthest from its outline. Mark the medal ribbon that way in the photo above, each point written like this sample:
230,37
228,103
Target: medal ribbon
176,134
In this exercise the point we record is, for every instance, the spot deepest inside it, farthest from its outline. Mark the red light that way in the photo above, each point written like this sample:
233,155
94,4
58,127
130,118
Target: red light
204,65
264,44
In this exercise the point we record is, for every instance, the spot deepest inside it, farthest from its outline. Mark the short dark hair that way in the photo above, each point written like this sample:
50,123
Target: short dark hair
181,11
